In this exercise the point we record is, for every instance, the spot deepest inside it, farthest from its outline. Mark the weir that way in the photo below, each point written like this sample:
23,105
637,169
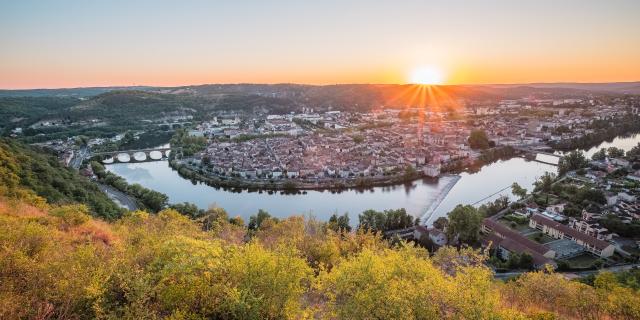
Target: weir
547,158
435,204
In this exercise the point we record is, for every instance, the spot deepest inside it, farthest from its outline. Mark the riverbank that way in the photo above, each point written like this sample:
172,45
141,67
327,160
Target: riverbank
487,157
292,186
605,131
416,197
122,200
296,185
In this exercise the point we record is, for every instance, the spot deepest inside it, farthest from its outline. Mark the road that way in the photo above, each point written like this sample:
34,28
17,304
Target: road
79,156
118,197
578,274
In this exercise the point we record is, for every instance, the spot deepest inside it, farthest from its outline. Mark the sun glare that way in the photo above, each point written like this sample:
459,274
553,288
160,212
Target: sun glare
426,75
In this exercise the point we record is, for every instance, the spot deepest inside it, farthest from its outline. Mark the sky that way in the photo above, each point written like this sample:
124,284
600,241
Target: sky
80,43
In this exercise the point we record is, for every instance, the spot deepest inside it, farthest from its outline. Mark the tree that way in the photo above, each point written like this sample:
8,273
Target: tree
82,140
464,224
600,155
526,261
339,223
452,260
401,284
491,208
519,191
155,200
441,223
590,194
187,209
634,152
397,219
478,139
387,220
573,161
409,173
214,217
545,182
372,220
128,137
615,152
255,221
59,262
237,220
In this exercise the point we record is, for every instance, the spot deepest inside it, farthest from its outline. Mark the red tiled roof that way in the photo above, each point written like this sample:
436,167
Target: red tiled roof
422,229
597,243
507,233
515,246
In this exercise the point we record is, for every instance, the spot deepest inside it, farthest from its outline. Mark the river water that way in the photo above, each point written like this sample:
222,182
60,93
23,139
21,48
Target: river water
417,198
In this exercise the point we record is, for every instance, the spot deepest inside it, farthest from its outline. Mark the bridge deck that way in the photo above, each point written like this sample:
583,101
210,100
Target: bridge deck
131,151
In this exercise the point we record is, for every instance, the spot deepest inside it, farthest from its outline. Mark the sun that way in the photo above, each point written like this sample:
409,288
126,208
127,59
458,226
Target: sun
426,75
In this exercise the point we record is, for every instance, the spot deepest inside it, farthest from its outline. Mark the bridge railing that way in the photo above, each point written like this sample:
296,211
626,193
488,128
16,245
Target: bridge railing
131,151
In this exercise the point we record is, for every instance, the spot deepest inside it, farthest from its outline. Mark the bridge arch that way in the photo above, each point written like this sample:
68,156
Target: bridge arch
123,157
126,156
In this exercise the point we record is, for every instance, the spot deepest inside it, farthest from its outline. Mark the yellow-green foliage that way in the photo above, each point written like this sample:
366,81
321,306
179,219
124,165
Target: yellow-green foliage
56,262
31,174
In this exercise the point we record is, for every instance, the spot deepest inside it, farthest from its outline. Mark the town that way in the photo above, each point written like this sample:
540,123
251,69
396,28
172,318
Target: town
585,216
334,149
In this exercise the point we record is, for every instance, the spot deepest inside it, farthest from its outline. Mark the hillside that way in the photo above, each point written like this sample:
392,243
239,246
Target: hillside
16,111
123,105
57,262
610,87
65,92
120,108
28,170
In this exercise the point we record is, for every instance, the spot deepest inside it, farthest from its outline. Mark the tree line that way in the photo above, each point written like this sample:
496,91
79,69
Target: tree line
37,170
151,199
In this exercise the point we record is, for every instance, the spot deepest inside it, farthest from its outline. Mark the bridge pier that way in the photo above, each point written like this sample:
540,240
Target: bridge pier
134,155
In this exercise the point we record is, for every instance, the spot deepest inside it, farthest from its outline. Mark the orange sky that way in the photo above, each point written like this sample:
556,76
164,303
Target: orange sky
167,43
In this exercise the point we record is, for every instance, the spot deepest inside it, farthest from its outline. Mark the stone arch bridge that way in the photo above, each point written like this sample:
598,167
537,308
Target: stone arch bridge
140,155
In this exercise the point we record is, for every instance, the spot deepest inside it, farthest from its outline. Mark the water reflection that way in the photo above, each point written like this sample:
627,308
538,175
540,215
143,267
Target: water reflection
416,197
624,143
136,173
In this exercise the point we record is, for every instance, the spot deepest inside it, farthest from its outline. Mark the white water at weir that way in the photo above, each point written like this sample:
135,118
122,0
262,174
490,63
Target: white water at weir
426,217
547,158
427,199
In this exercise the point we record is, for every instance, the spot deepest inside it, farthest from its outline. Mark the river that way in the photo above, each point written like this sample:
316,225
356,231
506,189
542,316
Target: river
417,197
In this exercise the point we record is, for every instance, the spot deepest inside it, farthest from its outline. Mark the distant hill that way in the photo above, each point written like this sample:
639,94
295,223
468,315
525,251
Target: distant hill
340,90
66,92
59,262
607,87
126,105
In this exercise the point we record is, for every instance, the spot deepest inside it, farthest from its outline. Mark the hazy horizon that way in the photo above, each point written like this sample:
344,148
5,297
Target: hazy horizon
320,85
49,44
